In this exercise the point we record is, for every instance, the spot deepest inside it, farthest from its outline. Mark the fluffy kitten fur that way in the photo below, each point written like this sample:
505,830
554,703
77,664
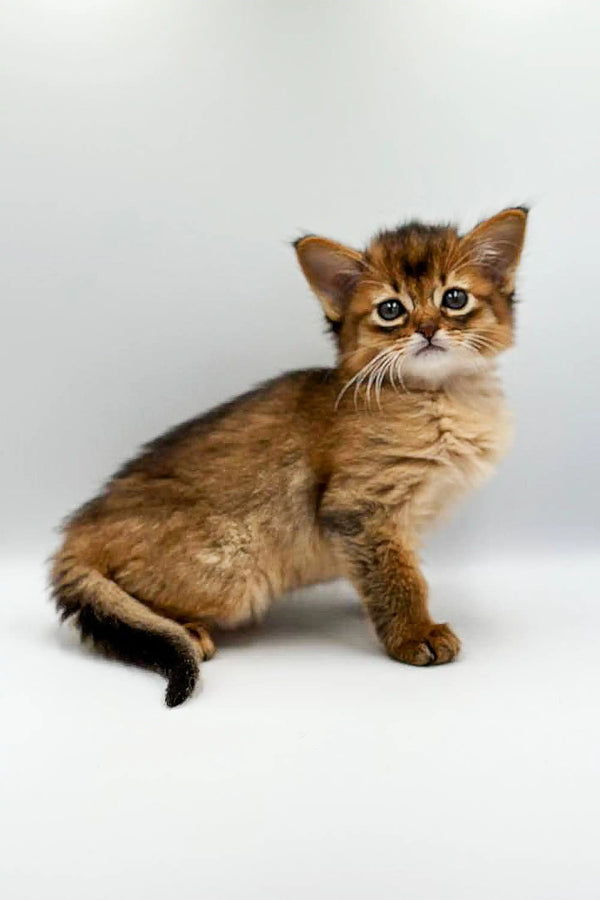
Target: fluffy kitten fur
316,474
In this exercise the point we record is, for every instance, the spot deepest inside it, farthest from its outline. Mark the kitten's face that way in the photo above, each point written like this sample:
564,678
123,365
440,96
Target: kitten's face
421,304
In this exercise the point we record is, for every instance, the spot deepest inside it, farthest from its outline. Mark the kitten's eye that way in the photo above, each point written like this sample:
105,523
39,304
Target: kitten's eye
389,310
455,298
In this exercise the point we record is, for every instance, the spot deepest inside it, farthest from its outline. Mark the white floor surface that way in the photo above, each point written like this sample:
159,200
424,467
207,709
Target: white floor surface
309,765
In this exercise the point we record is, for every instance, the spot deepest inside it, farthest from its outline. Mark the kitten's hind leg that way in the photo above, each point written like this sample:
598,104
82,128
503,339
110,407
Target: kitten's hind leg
202,639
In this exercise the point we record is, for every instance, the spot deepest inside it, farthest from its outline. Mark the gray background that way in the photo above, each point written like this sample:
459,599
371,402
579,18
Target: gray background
157,158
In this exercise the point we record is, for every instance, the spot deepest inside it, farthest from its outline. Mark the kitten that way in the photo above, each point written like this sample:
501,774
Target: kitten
316,474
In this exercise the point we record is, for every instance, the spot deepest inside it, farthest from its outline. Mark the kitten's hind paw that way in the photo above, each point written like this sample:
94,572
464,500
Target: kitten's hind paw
202,639
426,645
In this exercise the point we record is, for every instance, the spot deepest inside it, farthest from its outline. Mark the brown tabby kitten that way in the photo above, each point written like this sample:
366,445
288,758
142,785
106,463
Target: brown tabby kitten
317,474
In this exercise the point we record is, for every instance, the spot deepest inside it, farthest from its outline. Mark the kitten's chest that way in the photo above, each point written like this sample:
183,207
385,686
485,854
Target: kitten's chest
460,432
436,447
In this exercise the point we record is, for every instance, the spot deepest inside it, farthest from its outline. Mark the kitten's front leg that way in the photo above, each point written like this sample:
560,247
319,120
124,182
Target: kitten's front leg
394,592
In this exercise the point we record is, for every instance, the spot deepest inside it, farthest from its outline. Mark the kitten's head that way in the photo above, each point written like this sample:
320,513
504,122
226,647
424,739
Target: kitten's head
422,303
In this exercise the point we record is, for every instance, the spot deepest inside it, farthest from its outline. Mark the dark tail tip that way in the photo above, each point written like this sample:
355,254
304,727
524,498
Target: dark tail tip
134,644
182,681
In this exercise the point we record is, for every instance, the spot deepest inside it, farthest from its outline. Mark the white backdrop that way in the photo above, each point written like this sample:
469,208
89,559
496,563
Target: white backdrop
157,158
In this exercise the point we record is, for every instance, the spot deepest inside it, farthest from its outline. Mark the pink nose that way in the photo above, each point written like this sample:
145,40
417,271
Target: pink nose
428,329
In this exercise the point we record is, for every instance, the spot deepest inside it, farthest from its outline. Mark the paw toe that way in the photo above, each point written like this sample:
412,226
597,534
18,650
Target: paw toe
204,642
428,645
415,653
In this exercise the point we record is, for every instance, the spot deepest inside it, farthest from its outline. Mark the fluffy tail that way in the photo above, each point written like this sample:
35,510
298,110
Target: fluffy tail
123,627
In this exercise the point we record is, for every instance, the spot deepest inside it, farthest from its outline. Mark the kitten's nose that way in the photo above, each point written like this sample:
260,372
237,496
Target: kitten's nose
428,328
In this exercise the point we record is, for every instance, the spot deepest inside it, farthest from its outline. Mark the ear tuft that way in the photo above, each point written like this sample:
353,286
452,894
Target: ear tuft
331,269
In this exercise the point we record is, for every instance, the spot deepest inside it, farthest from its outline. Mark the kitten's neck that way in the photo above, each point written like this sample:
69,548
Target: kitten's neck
483,380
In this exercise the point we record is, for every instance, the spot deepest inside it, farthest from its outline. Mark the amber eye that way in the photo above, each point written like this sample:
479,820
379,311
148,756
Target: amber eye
390,310
455,298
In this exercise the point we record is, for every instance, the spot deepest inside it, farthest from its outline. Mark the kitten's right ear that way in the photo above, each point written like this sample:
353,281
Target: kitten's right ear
332,271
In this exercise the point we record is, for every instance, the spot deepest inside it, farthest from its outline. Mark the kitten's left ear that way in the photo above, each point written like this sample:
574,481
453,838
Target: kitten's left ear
332,271
496,244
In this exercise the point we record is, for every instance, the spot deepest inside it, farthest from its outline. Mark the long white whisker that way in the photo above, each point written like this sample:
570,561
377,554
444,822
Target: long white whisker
401,361
374,374
379,374
388,362
476,340
481,339
360,376
386,371
379,379
366,375
393,369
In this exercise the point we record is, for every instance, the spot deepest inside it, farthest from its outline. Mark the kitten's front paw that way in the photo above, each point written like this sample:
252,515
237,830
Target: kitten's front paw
426,645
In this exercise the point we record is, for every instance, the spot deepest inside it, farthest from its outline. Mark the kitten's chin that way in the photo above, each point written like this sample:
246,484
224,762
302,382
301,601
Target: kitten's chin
434,367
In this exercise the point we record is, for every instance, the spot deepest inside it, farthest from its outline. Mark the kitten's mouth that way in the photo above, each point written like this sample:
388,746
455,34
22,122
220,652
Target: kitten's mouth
429,349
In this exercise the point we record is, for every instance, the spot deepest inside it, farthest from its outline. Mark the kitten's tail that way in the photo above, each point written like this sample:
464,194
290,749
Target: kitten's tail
124,627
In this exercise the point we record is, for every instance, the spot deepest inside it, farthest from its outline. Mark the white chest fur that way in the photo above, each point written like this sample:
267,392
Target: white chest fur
430,447
468,430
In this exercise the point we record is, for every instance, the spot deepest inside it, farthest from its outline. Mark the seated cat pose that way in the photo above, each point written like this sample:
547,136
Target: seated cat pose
316,474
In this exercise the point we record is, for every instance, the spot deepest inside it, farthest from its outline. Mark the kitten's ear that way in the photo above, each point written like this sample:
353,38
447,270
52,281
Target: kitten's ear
495,245
332,271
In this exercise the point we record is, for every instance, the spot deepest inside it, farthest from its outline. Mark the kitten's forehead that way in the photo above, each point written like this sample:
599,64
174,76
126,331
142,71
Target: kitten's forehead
413,252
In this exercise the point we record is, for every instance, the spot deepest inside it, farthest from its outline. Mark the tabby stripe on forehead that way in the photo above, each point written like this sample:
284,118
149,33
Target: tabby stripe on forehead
415,269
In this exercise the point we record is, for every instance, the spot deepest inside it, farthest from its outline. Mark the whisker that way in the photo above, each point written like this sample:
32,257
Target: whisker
387,371
374,375
401,361
380,375
388,361
477,340
360,375
366,374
